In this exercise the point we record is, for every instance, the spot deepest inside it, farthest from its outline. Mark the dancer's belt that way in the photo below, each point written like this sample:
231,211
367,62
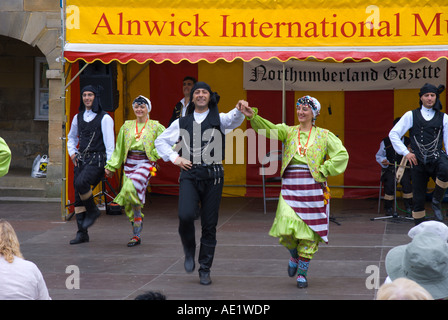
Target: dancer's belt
203,171
137,152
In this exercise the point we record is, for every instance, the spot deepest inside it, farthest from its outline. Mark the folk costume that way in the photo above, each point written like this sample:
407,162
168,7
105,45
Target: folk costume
302,216
202,142
388,173
94,130
428,131
135,149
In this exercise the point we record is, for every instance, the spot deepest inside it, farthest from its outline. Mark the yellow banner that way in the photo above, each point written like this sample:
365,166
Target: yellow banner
263,23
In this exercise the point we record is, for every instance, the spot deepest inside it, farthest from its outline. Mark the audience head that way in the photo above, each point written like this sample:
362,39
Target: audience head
9,243
403,289
424,260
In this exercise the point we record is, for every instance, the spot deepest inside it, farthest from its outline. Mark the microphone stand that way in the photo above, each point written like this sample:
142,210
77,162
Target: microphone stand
395,217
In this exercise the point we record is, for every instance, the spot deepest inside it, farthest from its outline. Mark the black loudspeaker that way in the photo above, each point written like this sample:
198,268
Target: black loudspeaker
103,76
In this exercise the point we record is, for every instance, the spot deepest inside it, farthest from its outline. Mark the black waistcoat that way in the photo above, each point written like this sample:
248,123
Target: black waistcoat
202,143
425,132
391,155
90,134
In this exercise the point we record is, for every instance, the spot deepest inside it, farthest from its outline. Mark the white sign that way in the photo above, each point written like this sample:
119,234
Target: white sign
349,76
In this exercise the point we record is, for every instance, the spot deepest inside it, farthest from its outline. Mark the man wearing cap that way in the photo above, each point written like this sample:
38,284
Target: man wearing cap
428,131
202,133
93,129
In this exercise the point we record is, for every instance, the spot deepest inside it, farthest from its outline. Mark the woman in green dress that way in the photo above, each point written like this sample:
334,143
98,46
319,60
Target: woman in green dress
135,150
311,154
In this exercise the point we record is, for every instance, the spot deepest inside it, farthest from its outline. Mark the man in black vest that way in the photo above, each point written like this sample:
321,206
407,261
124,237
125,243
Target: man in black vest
201,179
387,159
93,129
428,131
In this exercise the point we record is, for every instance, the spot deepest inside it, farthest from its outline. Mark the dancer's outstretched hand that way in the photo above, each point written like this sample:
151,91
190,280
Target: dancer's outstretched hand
243,107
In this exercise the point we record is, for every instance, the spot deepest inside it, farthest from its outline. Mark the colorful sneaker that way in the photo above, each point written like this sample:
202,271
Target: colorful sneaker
301,281
134,241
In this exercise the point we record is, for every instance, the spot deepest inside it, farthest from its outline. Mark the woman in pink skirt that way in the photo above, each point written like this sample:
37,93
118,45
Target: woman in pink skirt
311,154
135,149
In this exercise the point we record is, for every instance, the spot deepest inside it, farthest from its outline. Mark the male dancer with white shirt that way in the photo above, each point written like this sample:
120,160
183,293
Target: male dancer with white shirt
428,131
94,130
202,133
180,109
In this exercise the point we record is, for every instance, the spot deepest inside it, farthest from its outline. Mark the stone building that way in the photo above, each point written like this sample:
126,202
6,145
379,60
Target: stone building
31,109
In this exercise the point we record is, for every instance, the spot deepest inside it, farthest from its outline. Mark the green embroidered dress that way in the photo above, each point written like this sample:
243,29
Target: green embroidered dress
126,142
322,143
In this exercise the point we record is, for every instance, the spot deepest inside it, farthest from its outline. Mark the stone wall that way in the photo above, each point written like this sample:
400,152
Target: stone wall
38,24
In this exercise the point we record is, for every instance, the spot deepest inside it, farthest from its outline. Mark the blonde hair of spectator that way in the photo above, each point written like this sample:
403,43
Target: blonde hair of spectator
9,243
403,289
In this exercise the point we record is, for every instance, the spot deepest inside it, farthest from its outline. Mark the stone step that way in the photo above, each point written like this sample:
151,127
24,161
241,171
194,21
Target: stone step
29,199
31,191
18,185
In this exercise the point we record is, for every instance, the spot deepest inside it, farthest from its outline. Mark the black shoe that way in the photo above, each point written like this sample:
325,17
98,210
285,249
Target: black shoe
92,212
81,237
302,284
189,259
134,241
91,218
292,268
437,198
189,264
437,208
419,220
389,212
204,278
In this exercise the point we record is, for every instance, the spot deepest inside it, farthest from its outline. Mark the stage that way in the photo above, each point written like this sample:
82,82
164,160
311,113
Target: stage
248,264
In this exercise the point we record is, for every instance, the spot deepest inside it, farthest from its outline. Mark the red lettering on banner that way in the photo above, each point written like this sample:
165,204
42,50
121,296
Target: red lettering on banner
154,27
181,31
419,22
327,27
199,28
107,26
308,29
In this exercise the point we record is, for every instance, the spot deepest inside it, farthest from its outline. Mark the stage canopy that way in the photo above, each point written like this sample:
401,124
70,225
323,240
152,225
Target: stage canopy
344,30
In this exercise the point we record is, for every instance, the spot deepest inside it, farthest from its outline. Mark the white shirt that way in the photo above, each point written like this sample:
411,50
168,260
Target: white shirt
107,128
406,122
184,108
21,280
381,154
170,136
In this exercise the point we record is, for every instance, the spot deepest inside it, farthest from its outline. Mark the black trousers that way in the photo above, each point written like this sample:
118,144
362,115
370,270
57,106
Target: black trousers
420,178
197,187
88,173
388,179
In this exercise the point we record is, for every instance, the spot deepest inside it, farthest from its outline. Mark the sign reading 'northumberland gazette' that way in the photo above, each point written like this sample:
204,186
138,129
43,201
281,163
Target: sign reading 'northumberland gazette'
324,76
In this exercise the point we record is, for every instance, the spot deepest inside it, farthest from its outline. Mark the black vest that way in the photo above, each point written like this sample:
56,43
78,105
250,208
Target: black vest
202,143
424,132
391,155
90,134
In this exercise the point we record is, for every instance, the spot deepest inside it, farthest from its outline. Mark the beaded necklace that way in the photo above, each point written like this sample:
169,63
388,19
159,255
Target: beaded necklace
139,134
302,151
